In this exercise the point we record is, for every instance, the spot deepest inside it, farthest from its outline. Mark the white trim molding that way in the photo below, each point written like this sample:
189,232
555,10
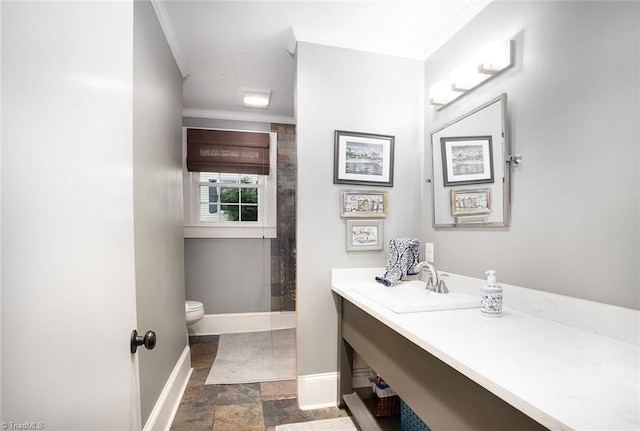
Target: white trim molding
164,411
234,323
170,35
467,14
318,391
238,116
229,232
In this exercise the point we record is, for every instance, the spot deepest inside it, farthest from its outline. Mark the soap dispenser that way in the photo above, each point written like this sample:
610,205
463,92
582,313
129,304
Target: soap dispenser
491,296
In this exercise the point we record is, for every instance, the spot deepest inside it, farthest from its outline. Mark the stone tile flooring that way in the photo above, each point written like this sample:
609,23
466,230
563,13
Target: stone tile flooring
244,407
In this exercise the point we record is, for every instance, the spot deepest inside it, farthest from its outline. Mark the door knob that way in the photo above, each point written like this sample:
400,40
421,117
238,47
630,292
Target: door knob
148,340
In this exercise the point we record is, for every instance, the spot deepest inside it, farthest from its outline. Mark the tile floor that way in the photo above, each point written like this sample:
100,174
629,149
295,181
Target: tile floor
244,407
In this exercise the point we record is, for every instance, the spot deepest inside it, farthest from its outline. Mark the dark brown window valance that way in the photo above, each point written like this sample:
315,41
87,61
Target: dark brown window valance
227,151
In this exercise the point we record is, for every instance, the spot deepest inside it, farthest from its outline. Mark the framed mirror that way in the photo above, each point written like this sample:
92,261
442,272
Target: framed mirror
471,169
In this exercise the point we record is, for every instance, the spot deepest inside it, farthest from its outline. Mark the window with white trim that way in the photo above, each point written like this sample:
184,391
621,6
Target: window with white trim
229,198
230,205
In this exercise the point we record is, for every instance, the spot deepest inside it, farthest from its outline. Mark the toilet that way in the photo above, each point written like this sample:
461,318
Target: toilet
194,311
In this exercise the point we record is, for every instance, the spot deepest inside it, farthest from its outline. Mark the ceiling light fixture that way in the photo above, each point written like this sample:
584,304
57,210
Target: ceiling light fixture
256,99
490,61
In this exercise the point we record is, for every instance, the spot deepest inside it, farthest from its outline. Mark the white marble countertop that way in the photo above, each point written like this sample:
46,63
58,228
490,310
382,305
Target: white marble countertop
562,376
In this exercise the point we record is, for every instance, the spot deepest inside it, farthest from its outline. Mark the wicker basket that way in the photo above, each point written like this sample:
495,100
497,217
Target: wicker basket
387,406
386,401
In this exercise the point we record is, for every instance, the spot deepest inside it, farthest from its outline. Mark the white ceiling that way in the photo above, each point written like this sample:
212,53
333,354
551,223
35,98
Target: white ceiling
224,47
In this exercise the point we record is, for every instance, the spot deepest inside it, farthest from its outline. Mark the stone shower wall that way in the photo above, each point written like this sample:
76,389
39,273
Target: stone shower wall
283,248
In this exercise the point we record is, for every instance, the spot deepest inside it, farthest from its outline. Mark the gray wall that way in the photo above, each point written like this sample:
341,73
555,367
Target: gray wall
348,90
157,191
229,275
574,109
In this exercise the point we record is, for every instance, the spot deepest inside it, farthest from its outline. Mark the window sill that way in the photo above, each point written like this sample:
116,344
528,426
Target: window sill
229,232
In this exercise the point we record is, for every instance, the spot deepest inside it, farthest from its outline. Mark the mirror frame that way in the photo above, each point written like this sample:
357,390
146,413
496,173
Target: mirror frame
505,159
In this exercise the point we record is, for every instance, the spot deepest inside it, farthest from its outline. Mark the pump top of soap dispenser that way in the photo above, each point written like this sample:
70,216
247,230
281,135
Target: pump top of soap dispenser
491,275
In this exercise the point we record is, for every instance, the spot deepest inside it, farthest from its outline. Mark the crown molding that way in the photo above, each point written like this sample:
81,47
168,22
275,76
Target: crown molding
292,42
170,35
238,116
473,8
462,19
352,42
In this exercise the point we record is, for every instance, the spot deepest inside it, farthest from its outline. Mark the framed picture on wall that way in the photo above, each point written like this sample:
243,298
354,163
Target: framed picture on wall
470,201
467,160
363,235
363,158
363,203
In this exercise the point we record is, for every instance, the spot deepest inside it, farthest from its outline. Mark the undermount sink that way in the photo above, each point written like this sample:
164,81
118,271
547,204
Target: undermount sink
412,297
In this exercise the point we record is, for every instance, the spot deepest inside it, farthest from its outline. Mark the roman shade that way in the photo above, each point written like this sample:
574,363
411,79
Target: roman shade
227,151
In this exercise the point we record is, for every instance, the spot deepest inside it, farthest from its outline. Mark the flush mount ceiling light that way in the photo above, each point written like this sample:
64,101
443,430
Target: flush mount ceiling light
256,99
490,61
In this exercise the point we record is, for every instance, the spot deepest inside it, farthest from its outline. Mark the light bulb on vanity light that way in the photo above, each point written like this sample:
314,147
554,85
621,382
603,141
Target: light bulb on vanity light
466,77
495,57
441,93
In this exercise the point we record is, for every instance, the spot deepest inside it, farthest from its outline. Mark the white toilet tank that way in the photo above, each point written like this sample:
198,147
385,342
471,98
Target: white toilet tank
194,311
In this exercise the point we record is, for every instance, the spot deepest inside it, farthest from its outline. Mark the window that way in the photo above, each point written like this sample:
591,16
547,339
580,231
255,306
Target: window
230,205
226,198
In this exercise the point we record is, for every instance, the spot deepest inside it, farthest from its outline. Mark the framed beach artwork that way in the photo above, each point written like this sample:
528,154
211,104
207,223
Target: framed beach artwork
467,160
363,203
363,159
364,235
470,201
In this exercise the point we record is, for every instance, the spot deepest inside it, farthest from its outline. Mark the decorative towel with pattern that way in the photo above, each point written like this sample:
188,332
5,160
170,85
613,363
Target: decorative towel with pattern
404,256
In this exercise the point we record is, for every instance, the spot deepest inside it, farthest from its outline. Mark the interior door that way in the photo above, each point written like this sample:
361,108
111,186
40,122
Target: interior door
68,276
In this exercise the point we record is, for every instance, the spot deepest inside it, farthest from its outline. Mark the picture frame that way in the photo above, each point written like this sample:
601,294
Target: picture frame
363,158
365,235
470,201
363,203
467,160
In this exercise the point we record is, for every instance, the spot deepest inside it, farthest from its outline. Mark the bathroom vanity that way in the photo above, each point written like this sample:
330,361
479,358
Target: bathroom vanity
459,370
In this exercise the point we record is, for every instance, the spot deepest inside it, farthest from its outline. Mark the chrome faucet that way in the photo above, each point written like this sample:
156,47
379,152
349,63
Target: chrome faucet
435,282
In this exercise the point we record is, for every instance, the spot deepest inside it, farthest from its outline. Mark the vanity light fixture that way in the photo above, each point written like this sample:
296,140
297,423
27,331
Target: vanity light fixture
442,93
256,99
466,77
490,61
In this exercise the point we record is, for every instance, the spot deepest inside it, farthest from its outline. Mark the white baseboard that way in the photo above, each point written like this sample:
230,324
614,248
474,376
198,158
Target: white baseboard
317,391
233,323
164,411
